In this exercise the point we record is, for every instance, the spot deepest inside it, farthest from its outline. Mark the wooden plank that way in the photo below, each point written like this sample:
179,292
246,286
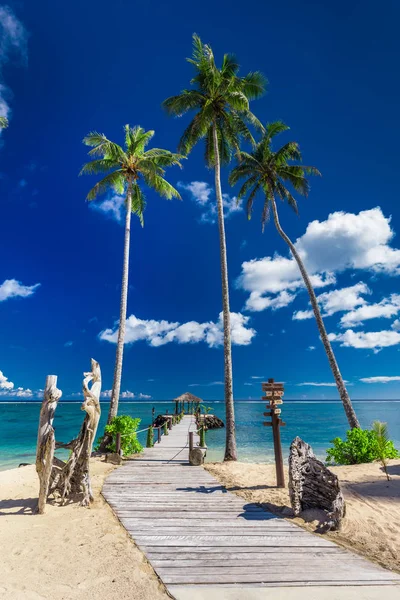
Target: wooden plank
195,532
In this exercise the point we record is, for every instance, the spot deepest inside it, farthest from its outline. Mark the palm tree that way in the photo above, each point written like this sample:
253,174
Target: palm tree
220,99
3,122
269,171
127,169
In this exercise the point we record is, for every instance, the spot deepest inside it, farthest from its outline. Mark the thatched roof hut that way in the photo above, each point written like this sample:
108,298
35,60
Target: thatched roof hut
187,397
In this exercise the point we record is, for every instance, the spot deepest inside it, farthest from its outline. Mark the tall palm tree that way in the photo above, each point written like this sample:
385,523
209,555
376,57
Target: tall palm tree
3,122
220,99
127,169
268,171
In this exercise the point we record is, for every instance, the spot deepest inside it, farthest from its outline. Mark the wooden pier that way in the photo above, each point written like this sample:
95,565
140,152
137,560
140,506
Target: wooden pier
197,534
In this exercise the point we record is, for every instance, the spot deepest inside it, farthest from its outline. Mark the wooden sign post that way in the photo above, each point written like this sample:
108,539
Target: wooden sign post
273,393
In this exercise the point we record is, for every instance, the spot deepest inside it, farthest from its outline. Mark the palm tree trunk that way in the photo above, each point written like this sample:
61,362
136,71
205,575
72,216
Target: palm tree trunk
348,407
230,446
122,312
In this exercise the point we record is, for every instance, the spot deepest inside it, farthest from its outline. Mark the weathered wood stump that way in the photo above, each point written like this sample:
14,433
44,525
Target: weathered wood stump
71,477
196,456
313,485
46,439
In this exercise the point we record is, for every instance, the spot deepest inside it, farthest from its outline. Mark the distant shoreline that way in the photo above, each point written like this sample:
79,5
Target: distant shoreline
291,401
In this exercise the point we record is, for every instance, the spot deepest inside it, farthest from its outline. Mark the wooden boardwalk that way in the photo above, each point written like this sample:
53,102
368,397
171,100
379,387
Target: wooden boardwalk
195,533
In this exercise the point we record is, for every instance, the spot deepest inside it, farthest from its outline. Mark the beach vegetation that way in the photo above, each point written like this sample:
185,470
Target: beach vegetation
127,170
362,446
385,448
220,99
127,426
272,174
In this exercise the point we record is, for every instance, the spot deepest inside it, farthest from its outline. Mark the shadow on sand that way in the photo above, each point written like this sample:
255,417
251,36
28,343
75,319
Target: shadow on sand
23,506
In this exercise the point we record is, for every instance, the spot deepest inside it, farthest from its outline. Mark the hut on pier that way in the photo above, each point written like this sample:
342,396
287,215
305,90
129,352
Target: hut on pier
188,402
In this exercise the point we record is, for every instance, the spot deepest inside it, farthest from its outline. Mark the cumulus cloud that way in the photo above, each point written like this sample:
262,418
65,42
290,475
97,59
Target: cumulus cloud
380,379
203,194
386,308
125,395
344,241
337,301
396,325
5,384
159,333
302,315
317,384
112,206
373,340
11,288
8,389
13,47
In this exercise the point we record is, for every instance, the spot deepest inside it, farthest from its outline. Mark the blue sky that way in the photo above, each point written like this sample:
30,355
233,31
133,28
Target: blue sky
68,68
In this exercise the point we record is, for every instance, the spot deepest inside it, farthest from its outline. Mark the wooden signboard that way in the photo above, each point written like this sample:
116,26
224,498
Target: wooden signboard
273,394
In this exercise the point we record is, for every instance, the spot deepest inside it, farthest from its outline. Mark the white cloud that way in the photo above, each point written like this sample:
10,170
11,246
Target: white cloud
386,308
203,194
343,299
68,344
316,384
5,384
311,348
343,241
200,191
112,206
396,325
11,288
159,333
13,45
302,315
379,379
257,377
125,395
375,340
8,389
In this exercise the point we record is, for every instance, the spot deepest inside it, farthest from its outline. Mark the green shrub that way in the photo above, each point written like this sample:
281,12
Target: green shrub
360,446
165,428
127,427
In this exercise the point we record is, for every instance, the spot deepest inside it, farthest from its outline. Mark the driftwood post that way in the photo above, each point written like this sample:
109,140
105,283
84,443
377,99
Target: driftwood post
73,478
46,439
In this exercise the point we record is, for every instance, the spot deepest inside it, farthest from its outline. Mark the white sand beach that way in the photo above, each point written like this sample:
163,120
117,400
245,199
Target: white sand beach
372,523
70,552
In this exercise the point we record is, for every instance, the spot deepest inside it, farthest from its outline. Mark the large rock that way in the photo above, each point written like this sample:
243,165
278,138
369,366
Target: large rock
312,485
160,420
213,422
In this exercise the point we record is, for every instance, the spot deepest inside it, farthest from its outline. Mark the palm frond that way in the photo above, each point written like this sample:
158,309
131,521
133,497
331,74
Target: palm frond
254,85
3,122
101,165
138,202
185,101
273,129
114,180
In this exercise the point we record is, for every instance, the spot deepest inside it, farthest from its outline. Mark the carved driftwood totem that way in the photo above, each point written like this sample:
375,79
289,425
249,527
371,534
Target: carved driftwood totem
72,478
312,485
46,440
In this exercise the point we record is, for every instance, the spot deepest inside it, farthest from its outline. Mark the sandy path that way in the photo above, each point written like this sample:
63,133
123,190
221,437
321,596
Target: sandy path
69,553
372,523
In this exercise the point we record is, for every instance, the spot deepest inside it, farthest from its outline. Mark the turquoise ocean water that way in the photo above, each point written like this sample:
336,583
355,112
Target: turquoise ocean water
316,422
